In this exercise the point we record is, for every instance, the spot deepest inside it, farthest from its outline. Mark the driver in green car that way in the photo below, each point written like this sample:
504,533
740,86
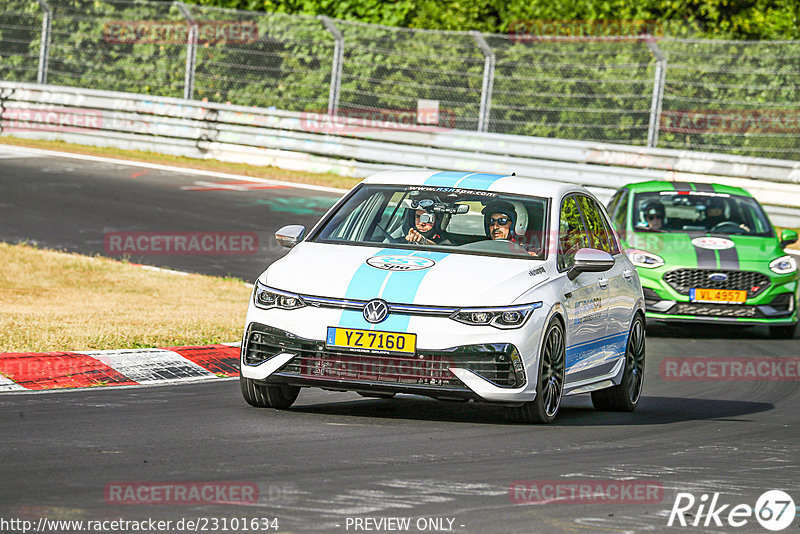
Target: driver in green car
715,212
654,215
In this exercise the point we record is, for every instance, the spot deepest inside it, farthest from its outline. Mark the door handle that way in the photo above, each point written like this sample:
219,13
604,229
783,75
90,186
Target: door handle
628,273
602,282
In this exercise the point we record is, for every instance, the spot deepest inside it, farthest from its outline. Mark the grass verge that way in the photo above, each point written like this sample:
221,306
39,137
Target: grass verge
271,173
55,301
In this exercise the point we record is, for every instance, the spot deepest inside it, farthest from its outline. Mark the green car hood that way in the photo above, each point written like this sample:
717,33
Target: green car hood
749,253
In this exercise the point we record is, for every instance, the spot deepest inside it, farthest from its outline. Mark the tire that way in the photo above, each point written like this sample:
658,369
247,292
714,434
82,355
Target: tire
263,396
549,380
782,332
625,397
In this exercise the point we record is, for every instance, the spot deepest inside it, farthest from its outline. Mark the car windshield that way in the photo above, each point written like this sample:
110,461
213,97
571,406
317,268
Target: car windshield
699,211
438,218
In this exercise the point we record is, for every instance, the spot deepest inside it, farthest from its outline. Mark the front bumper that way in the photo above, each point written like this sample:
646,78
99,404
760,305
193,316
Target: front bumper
491,372
774,303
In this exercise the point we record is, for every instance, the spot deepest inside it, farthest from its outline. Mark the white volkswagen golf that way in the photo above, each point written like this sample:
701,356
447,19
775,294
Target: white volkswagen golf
455,286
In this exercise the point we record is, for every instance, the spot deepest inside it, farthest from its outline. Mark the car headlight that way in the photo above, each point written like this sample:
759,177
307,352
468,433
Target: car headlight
266,297
640,258
783,265
505,317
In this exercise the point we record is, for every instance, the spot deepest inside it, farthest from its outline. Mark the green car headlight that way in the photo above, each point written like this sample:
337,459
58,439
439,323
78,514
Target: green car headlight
783,265
641,258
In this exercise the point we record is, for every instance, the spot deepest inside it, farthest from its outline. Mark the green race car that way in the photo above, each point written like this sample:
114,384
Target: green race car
707,253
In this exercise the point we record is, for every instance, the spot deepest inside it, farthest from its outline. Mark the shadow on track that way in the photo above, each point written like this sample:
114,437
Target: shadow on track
707,331
574,411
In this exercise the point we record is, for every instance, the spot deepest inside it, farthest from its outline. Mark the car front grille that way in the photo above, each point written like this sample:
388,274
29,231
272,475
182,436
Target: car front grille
494,362
682,280
715,310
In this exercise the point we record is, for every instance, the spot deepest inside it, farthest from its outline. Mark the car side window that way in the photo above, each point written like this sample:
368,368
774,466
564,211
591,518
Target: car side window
595,224
572,235
615,245
615,200
620,211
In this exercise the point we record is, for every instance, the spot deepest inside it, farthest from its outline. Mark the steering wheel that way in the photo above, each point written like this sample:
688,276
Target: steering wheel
730,227
389,236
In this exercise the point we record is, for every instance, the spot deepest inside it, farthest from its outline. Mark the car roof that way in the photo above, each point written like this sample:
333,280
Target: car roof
500,183
660,185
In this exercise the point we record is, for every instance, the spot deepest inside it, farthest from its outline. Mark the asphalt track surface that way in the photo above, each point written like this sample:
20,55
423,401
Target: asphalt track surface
335,457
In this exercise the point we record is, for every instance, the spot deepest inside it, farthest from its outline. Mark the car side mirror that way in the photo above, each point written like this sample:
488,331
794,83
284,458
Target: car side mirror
290,235
788,237
590,260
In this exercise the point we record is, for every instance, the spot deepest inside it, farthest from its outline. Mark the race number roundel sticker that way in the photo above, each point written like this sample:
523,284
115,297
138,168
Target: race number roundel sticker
400,263
712,243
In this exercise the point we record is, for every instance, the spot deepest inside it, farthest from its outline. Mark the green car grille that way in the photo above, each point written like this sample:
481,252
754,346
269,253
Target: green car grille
682,280
715,310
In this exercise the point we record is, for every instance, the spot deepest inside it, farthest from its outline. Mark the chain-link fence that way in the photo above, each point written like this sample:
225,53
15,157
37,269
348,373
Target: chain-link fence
737,97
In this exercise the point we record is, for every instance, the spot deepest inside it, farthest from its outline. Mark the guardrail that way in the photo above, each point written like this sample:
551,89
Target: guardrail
357,147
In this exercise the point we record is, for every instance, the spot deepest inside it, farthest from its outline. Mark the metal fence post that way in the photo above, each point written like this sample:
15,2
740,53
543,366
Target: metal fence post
488,81
44,49
658,92
191,51
336,67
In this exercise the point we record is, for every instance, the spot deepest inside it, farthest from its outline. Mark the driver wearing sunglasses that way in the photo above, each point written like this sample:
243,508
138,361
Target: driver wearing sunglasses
499,225
654,216
499,220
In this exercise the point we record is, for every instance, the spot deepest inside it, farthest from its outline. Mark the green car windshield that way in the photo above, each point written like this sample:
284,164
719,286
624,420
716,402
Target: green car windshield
699,211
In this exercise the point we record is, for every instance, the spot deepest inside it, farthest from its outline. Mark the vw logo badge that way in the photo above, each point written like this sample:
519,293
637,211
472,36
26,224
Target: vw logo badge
376,311
717,277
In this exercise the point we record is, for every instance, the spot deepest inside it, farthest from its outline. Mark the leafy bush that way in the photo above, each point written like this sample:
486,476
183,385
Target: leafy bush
735,96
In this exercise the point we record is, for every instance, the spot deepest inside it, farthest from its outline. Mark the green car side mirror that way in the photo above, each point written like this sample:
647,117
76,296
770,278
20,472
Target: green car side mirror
788,237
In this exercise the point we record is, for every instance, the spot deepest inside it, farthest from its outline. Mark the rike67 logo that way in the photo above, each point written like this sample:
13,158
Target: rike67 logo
774,510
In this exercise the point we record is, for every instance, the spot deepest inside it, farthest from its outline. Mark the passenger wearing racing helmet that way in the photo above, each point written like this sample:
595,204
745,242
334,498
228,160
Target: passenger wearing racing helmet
653,214
424,227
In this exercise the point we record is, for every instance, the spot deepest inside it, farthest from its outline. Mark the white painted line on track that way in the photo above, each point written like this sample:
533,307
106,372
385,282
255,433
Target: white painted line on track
170,168
6,384
151,365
